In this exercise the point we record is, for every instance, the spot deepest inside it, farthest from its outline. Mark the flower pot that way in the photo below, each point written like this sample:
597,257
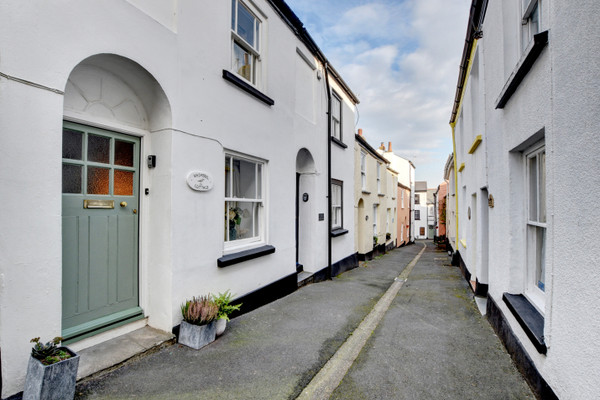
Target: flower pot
51,382
221,324
197,336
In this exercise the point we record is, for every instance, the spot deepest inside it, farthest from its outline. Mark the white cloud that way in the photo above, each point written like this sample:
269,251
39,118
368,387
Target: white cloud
401,58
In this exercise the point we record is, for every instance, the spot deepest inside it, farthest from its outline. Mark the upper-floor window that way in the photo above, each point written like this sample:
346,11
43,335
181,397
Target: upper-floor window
363,170
417,199
417,215
245,40
336,116
244,200
402,197
378,178
531,21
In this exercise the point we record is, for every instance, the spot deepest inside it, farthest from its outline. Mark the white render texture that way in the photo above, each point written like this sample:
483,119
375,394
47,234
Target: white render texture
153,69
558,100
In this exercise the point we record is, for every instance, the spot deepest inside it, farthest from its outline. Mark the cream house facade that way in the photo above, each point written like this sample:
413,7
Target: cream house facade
157,150
375,200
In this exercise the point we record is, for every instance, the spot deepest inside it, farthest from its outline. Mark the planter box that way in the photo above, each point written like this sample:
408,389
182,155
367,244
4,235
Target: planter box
197,336
51,382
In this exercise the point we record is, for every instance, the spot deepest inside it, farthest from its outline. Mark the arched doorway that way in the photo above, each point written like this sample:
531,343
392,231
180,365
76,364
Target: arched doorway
110,104
361,228
305,188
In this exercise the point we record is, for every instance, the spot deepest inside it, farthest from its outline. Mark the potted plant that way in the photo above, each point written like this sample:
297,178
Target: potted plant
198,326
223,301
51,372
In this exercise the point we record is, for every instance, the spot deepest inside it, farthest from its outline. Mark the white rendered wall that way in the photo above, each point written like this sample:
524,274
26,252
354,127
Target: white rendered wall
180,232
559,97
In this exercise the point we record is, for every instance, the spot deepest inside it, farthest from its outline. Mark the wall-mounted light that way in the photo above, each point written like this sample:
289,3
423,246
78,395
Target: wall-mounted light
151,161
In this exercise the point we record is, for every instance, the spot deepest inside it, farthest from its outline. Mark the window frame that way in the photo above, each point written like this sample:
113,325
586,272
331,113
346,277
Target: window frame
417,215
336,122
417,198
337,208
535,256
260,200
256,50
363,170
378,178
531,21
402,197
375,212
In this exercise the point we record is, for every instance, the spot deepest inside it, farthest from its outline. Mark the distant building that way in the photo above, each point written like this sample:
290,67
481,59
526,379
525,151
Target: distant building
440,204
406,182
375,192
421,211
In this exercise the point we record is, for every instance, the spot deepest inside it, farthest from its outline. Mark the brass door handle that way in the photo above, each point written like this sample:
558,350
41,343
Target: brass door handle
123,204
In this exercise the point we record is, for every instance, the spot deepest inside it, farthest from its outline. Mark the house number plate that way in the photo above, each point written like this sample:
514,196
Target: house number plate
200,181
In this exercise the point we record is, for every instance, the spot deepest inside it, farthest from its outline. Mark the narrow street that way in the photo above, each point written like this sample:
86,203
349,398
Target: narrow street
431,343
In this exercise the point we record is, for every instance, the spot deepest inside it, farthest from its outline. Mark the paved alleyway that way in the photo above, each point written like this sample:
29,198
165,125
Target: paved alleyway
432,343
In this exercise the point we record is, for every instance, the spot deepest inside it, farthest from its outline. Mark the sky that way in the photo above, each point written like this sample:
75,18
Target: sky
401,59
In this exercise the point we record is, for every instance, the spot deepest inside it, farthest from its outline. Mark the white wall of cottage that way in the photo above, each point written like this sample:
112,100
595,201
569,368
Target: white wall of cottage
193,115
559,97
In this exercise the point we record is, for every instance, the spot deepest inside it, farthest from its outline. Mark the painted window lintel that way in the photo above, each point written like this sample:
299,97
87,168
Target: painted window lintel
464,243
462,166
475,144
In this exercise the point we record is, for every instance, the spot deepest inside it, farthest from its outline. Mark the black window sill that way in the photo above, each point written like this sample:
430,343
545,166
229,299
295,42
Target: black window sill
366,192
381,194
523,66
339,142
338,232
528,317
248,88
236,258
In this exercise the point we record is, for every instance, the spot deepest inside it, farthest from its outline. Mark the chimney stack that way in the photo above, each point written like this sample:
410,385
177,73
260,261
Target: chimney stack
389,147
360,132
382,147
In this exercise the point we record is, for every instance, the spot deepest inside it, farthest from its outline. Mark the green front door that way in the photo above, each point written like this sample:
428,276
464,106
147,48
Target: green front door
100,176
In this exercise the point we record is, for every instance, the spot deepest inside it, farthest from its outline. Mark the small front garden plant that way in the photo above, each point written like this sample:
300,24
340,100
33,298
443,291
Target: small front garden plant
199,310
49,353
223,301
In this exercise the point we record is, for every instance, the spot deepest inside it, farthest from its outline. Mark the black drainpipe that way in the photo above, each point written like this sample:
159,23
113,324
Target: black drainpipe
328,171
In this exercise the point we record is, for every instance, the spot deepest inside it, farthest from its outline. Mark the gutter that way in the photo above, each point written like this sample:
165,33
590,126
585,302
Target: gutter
329,219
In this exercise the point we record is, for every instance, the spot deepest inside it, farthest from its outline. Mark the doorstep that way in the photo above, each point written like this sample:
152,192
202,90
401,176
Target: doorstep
305,278
108,355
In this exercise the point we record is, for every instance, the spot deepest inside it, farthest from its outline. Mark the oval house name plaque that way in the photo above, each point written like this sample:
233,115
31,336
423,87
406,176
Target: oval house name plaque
200,181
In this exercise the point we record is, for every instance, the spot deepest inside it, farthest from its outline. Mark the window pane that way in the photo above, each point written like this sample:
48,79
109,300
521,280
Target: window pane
533,190
99,149
245,24
233,14
541,257
542,186
335,108
123,183
98,180
71,178
256,219
259,182
71,147
227,176
241,217
242,62
244,179
124,153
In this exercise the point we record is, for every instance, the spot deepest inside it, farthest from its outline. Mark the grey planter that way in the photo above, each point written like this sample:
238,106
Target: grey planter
51,382
197,336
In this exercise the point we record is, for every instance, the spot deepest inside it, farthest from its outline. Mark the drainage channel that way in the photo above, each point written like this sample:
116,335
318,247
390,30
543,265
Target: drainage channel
332,373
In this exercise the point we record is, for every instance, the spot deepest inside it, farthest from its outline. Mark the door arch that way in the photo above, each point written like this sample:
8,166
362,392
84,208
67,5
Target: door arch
105,96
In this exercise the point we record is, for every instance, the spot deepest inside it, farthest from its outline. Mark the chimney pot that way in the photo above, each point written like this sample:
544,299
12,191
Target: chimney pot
382,147
390,147
360,132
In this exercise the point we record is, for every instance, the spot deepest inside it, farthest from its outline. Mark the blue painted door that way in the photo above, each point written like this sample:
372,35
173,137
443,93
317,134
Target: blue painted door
99,229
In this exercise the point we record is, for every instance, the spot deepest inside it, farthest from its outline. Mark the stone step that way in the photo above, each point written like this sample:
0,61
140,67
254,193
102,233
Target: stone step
107,356
305,278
